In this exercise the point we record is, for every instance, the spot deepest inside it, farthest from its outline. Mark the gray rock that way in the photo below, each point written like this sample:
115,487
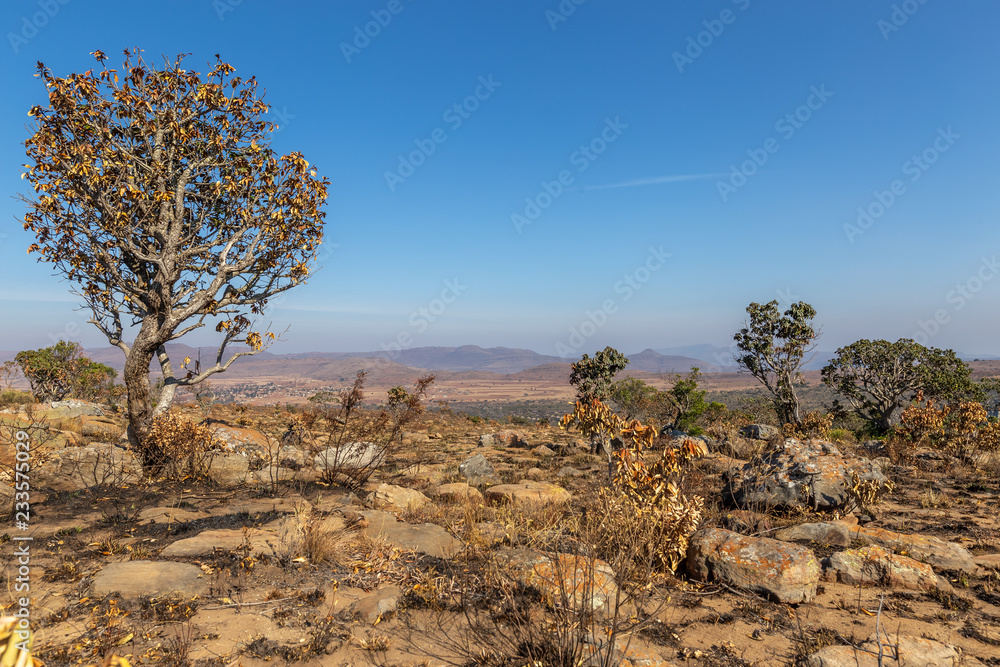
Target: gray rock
803,475
478,471
505,438
377,605
228,470
786,572
351,456
760,432
833,534
75,408
875,565
139,578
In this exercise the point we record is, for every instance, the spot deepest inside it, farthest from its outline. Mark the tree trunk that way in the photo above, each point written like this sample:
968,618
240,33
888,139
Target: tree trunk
140,410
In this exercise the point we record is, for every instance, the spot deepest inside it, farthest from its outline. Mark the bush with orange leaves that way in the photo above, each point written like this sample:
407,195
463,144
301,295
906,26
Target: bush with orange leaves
964,430
643,519
185,443
814,424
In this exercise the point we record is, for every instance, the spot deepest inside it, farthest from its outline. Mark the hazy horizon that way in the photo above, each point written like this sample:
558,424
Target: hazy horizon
631,175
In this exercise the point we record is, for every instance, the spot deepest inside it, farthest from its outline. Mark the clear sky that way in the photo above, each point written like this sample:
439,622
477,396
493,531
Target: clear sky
504,173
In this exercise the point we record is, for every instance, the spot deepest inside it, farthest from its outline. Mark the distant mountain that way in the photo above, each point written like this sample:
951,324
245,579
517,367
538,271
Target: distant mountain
502,360
652,361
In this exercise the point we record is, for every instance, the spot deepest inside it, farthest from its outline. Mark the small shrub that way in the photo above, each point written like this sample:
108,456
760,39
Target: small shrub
184,443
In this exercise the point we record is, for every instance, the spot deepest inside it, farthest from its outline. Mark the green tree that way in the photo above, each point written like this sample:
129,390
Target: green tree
594,377
634,398
688,400
773,346
878,378
156,191
60,371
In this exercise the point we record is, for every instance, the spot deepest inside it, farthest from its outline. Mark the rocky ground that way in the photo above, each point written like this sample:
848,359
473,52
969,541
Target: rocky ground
466,548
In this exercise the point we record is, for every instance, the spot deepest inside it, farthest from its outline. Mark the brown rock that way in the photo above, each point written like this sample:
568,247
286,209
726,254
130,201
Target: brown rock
833,534
457,492
148,578
906,652
527,492
504,438
787,572
873,564
942,555
565,580
390,496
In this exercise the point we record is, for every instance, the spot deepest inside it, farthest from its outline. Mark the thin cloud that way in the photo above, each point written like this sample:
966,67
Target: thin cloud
656,180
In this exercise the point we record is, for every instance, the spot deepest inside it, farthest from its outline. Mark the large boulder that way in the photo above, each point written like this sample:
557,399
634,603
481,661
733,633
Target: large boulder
350,456
76,468
802,475
786,572
228,469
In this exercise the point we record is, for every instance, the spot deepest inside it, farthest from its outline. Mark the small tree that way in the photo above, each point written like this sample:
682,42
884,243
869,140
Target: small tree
773,346
594,378
633,397
9,371
878,378
688,400
157,193
60,370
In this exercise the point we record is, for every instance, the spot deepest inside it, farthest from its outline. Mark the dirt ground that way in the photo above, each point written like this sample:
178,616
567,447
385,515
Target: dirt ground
277,598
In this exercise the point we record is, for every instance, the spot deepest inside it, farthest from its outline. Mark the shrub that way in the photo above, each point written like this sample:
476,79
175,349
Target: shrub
185,443
348,421
594,377
59,371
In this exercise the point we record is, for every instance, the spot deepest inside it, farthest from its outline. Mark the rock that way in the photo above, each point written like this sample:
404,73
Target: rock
169,515
76,468
698,445
904,651
873,564
73,408
565,580
534,473
832,534
457,492
800,475
228,470
247,441
373,607
390,496
427,538
989,561
144,578
543,451
224,539
478,471
942,555
350,456
568,471
786,572
671,432
760,432
504,438
527,492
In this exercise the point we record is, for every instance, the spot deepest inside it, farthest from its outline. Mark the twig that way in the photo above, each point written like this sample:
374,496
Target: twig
246,604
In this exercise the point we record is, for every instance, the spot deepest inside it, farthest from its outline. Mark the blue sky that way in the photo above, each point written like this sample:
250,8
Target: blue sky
685,159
